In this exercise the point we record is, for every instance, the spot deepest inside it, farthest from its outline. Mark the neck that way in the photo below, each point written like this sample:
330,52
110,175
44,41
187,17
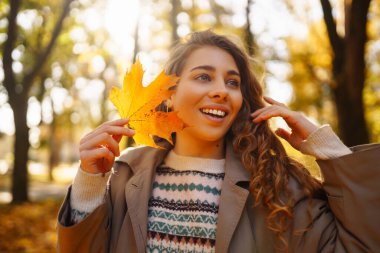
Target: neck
199,148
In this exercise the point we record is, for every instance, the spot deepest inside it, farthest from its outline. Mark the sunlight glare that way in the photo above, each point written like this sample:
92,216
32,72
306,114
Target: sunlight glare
92,20
26,18
34,137
7,122
17,67
120,21
98,64
58,96
92,90
34,112
279,90
47,110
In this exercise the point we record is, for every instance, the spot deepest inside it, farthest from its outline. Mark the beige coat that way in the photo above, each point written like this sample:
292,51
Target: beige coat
344,218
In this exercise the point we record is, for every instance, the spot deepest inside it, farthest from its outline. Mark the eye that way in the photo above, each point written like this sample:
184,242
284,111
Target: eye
233,82
203,77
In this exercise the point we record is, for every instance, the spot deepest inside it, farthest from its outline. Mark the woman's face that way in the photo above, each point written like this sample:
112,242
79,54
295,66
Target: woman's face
208,96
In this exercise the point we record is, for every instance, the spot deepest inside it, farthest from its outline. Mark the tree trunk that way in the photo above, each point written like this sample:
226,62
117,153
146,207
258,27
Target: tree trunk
349,69
18,94
20,182
248,34
136,48
352,124
173,20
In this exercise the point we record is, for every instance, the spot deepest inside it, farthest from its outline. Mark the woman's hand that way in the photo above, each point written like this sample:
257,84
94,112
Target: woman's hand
300,125
99,148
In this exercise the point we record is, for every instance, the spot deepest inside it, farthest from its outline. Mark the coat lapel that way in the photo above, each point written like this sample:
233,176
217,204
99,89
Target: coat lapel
138,191
232,201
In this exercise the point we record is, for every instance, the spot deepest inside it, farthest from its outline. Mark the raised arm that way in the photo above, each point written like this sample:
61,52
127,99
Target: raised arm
86,196
348,220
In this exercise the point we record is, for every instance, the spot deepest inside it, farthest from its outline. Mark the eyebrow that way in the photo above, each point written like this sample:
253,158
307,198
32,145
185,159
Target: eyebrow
211,68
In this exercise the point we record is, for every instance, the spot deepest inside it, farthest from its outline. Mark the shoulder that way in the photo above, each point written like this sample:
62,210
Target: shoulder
370,147
298,192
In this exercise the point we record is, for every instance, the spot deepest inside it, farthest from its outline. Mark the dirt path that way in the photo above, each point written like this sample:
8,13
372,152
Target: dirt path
40,188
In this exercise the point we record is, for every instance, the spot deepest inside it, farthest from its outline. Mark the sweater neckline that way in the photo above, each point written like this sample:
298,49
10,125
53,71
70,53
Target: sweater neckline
180,162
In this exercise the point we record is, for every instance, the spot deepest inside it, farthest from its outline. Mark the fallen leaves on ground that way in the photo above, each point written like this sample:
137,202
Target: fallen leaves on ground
29,227
138,103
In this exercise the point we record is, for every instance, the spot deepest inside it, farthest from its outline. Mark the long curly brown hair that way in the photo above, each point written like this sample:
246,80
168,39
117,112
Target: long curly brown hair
261,152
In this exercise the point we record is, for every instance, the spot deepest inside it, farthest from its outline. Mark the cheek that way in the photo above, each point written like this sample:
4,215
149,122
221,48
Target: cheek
238,105
238,101
180,101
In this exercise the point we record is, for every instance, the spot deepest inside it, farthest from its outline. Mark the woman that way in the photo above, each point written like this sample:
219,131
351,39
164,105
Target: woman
227,185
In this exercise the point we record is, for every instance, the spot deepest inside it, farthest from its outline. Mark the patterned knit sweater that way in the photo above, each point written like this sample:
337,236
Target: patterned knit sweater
183,208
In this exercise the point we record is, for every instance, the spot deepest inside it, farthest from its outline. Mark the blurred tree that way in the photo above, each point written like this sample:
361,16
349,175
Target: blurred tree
311,76
248,37
314,82
55,76
183,17
19,83
176,7
349,68
136,48
372,84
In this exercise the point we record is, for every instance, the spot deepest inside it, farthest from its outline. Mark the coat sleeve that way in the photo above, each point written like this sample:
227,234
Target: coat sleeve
89,235
348,220
93,233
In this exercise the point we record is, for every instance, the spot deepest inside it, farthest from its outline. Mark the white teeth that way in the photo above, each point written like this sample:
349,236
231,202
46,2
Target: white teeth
215,112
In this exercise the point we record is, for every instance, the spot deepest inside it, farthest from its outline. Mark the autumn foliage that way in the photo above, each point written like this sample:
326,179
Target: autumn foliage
138,103
29,227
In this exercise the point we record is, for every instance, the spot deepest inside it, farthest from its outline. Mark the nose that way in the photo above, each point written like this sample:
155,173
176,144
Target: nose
218,90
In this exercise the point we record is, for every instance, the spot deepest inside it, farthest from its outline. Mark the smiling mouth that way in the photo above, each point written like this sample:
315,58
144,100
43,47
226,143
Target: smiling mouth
214,112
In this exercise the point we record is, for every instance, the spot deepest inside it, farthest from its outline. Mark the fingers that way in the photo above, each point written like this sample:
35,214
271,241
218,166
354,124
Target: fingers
108,135
98,153
273,102
300,125
97,160
268,112
114,128
99,148
283,134
101,140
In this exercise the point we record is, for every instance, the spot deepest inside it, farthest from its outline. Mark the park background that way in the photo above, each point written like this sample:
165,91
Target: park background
59,60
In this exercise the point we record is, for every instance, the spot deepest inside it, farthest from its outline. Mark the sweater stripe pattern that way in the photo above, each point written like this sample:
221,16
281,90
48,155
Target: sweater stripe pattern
183,207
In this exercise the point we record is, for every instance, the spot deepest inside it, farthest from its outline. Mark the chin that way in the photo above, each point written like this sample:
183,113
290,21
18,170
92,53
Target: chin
212,137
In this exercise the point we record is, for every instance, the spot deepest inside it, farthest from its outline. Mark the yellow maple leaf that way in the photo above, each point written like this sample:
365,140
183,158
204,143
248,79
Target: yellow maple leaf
138,103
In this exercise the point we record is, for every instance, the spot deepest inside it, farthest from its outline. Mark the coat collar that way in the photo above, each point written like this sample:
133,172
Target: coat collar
234,168
145,158
232,202
143,162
